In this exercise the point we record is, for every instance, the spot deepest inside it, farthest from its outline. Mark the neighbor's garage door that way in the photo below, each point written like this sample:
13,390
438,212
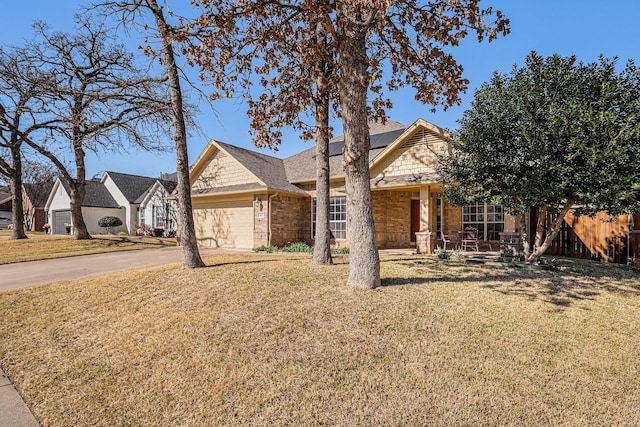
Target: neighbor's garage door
224,225
60,218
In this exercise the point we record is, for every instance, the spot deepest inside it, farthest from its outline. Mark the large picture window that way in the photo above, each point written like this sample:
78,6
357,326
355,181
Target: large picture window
488,219
337,217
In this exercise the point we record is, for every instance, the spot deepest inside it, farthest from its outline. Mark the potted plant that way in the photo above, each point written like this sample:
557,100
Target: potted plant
46,228
68,227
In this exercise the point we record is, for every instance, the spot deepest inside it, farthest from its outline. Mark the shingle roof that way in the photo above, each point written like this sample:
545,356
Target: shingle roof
168,185
302,166
38,193
268,169
96,194
131,186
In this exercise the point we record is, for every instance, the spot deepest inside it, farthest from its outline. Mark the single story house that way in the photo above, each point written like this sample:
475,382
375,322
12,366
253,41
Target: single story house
155,210
34,200
245,199
114,194
98,202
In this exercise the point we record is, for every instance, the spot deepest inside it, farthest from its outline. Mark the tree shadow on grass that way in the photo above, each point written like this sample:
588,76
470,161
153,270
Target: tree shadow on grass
559,288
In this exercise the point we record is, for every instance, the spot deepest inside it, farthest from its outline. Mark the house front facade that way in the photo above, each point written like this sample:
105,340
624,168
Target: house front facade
246,199
97,203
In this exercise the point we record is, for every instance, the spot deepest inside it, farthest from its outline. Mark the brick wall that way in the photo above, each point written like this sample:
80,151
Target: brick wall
290,221
392,216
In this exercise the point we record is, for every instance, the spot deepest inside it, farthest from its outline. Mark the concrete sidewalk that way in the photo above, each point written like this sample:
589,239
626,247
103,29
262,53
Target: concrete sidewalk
14,412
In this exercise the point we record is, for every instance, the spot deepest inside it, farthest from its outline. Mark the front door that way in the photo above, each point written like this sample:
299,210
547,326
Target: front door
415,219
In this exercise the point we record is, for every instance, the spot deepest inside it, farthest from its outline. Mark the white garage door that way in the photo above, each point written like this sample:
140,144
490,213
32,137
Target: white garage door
60,218
224,225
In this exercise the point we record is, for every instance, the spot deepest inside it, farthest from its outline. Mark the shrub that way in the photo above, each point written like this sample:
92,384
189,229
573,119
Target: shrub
267,249
297,247
340,251
144,230
109,223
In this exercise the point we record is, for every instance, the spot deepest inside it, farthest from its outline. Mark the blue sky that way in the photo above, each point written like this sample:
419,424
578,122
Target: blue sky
585,28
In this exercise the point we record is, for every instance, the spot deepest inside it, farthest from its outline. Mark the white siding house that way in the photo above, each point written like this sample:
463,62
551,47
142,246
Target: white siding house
97,203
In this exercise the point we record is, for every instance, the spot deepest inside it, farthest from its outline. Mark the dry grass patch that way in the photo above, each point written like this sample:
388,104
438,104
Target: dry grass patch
43,246
273,340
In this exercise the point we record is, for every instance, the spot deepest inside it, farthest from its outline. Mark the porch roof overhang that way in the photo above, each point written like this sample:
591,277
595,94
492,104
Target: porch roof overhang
404,181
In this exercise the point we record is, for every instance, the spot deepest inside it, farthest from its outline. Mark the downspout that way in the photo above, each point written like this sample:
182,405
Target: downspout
269,218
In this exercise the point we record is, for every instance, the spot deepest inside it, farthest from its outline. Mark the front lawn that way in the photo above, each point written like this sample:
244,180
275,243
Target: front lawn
273,340
43,246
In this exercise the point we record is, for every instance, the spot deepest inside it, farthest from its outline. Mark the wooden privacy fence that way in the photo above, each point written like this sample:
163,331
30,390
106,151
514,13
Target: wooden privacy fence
603,237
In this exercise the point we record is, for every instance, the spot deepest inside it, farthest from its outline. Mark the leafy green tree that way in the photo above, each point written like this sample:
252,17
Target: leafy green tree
555,134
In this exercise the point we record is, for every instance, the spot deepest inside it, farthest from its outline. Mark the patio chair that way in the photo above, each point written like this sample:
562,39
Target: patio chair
445,240
470,239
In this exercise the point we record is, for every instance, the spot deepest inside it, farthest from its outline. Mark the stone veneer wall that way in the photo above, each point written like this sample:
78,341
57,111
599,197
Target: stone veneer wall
392,216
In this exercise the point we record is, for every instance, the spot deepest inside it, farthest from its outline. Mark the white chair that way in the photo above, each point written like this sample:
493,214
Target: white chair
470,239
445,240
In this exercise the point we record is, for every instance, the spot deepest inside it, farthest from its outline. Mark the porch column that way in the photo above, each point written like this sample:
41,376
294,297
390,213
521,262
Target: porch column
425,241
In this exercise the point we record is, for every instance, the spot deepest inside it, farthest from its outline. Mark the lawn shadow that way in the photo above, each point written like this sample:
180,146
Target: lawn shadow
560,288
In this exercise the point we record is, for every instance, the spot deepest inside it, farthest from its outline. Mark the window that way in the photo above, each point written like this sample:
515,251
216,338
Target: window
337,217
159,216
142,211
488,219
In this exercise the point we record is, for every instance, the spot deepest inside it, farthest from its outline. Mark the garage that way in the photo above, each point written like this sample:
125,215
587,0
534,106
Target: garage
60,218
224,225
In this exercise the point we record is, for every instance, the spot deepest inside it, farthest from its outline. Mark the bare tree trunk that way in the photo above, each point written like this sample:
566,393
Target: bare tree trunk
190,254
78,188
364,260
16,194
542,245
322,245
78,191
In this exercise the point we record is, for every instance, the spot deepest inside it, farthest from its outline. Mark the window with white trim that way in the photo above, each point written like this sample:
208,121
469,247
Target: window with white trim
159,216
337,217
488,219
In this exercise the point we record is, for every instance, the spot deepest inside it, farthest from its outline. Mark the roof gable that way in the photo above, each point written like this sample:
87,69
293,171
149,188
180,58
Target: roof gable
131,186
412,156
96,194
237,168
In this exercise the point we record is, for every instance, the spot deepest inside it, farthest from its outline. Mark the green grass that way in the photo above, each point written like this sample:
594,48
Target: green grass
42,246
262,340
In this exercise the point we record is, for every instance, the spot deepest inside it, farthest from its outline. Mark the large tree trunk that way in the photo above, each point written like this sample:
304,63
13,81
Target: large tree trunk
545,239
364,264
187,231
16,194
78,190
322,245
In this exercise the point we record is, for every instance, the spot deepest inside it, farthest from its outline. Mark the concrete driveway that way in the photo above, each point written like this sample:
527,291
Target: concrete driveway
26,274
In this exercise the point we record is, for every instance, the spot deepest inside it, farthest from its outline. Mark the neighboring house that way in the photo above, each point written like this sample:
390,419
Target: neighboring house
246,199
6,209
126,189
34,200
115,194
98,202
155,210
